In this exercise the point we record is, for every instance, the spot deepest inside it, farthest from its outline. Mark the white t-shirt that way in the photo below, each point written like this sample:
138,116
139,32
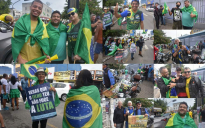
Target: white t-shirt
4,82
15,86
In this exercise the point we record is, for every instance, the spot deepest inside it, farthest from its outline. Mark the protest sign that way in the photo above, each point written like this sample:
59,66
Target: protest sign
41,102
138,121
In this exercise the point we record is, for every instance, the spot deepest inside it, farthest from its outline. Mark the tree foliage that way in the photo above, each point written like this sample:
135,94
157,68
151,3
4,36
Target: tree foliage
109,3
159,103
145,102
94,8
4,6
116,66
160,37
168,66
114,33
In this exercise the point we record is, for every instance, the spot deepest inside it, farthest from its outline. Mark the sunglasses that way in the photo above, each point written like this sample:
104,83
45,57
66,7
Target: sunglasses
72,13
187,72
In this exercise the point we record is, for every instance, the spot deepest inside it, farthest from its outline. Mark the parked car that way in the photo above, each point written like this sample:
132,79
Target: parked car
62,89
151,9
5,43
160,122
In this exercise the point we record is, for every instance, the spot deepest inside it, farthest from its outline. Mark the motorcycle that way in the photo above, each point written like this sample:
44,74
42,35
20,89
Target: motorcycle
150,122
163,57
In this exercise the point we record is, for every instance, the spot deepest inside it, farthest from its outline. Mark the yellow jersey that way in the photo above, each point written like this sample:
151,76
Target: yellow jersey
3,17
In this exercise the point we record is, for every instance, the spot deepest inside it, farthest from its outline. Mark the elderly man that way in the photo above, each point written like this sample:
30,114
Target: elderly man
181,119
140,110
118,118
194,87
180,51
128,111
134,16
189,15
94,23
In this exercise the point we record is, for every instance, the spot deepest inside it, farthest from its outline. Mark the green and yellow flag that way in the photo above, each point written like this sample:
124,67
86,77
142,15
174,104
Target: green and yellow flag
165,10
82,108
84,46
177,122
22,32
29,70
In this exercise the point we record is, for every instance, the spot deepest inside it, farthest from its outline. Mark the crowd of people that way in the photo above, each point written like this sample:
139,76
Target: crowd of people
184,17
121,113
183,85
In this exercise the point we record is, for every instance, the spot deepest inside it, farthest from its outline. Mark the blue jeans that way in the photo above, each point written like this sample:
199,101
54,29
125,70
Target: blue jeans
23,94
132,55
126,124
106,50
163,19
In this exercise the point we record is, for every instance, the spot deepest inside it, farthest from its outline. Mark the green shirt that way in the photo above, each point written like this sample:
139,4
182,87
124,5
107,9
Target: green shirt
187,20
133,21
61,47
185,126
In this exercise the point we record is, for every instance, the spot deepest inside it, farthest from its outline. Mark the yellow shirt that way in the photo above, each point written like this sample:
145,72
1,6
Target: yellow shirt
190,114
187,87
29,52
172,114
123,41
3,16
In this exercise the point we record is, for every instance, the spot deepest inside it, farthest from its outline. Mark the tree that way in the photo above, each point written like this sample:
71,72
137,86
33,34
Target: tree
116,66
4,6
145,102
93,5
108,3
160,37
158,103
114,33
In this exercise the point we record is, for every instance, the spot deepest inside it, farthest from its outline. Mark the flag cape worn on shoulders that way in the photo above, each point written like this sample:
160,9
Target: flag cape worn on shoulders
82,108
171,93
54,35
29,70
191,9
56,100
177,122
22,32
84,46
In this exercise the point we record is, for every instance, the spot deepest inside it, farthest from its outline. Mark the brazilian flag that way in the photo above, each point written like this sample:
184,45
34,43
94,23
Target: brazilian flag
29,70
144,31
177,122
82,108
84,46
165,10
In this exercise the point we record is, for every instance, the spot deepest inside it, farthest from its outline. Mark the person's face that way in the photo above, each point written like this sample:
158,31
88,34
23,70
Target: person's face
119,104
36,9
178,72
41,76
10,76
177,42
6,77
165,72
160,7
119,41
114,40
134,5
178,4
138,105
105,10
73,16
156,5
187,73
55,19
182,110
129,104
121,10
93,18
150,66
104,66
186,3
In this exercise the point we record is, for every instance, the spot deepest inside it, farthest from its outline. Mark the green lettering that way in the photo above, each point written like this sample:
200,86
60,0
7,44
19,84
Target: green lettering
42,107
37,108
46,104
51,105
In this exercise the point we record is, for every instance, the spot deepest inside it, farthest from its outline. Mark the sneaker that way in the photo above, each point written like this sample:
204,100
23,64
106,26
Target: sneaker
6,108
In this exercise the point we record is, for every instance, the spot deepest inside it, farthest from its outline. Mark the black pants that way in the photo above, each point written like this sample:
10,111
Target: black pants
108,27
185,27
42,122
157,22
23,94
57,62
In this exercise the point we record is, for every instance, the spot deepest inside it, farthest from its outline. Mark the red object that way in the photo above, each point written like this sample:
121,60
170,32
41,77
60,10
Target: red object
164,120
182,94
155,49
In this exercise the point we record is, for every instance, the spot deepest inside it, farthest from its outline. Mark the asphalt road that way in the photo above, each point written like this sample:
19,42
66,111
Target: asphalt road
148,21
21,118
147,52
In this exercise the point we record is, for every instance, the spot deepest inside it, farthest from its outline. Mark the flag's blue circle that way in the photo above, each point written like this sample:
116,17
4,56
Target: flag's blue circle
32,70
78,113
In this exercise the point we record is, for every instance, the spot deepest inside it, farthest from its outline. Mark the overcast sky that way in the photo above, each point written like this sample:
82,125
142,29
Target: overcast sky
192,66
54,4
189,101
176,33
91,66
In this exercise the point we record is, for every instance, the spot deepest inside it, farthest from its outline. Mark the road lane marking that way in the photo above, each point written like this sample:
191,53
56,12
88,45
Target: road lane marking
145,14
151,46
146,47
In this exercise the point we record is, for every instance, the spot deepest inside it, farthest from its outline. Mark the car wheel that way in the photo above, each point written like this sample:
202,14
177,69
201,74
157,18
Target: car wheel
64,97
9,59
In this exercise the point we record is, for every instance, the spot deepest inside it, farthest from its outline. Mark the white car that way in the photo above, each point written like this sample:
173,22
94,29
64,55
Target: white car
62,89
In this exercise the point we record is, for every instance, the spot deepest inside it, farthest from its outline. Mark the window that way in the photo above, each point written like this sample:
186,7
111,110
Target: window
54,84
61,85
25,8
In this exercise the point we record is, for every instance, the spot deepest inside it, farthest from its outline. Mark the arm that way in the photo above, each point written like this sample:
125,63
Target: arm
170,12
201,88
146,113
176,52
200,119
112,80
21,60
141,22
95,24
97,31
116,11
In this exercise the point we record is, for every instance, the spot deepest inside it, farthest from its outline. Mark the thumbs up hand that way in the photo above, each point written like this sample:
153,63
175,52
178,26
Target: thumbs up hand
192,15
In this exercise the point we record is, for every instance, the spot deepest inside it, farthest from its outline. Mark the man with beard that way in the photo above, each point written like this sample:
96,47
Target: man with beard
57,37
194,87
134,16
129,111
177,22
118,118
29,37
181,119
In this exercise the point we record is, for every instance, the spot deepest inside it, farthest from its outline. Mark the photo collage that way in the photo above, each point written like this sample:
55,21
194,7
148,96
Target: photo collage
102,63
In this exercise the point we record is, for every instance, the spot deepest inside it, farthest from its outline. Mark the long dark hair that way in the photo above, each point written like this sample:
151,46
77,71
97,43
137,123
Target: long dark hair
13,79
119,10
84,79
